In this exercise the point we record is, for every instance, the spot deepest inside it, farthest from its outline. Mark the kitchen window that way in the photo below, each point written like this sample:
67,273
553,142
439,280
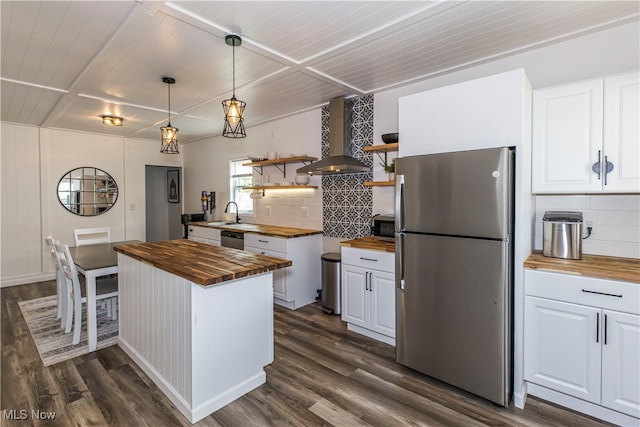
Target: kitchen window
241,176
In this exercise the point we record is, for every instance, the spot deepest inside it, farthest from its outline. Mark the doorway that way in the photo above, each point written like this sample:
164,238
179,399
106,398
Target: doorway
163,216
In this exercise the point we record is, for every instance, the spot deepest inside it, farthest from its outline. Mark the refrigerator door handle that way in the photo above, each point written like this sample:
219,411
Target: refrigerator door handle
400,261
399,211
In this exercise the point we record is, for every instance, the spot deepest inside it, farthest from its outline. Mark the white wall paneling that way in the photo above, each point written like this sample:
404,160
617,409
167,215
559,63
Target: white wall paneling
21,237
63,151
33,161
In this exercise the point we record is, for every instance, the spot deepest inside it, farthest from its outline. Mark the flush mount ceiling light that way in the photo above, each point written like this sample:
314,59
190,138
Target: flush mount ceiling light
169,133
233,108
112,120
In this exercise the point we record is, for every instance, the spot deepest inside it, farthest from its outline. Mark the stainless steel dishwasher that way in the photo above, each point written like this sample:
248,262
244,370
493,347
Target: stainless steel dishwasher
232,239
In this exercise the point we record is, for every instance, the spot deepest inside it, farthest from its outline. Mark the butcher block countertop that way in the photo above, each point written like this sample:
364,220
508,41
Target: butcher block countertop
370,243
600,267
202,263
266,230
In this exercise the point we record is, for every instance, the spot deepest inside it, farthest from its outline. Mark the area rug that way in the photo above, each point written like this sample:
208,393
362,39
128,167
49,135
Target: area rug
53,344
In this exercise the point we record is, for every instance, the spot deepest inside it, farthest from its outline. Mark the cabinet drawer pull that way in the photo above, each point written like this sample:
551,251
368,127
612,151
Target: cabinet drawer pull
368,259
263,241
597,327
602,293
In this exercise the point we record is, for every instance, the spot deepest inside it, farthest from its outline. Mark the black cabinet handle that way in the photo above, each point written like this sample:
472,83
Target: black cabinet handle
602,293
597,327
263,241
596,166
368,259
608,167
366,281
605,329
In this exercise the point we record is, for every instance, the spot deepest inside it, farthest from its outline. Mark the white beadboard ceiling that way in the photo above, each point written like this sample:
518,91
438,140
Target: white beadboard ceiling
66,63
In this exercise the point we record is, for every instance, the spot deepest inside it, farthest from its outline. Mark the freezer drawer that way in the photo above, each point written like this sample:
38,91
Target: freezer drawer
454,313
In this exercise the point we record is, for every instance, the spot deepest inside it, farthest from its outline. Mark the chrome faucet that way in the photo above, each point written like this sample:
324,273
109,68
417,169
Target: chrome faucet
226,210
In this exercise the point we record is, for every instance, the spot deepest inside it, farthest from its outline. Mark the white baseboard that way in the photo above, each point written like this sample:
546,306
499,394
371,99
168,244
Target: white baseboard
26,279
520,397
371,334
582,406
291,305
228,396
173,395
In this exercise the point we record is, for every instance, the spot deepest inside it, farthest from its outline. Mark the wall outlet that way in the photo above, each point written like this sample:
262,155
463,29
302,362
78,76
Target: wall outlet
267,210
304,211
132,207
589,222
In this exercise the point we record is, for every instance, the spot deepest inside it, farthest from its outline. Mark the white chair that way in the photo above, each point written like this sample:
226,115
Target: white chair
106,289
92,236
64,299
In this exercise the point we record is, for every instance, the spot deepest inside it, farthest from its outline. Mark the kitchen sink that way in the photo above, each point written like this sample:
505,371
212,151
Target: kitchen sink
220,223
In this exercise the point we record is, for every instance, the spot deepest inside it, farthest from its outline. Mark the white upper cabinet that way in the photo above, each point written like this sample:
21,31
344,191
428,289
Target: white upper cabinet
580,127
621,132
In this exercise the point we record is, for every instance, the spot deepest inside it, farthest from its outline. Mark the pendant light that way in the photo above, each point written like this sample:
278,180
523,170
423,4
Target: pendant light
233,108
169,133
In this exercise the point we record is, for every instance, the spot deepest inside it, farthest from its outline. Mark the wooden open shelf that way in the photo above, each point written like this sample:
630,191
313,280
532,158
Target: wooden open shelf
281,187
379,183
281,161
382,148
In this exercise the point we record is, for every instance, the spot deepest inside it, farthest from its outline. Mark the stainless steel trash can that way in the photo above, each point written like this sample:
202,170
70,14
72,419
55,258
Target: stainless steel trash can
330,294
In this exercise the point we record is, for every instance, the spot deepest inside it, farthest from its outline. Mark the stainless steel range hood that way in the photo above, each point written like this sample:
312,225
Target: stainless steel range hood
340,158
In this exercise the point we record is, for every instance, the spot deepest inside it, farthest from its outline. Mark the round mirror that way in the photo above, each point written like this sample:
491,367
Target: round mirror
87,191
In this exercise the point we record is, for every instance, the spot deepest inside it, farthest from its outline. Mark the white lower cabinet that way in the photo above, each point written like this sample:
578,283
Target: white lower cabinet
368,293
621,363
207,235
298,285
582,339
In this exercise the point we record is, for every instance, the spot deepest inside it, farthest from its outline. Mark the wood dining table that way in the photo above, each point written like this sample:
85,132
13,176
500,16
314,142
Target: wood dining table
94,261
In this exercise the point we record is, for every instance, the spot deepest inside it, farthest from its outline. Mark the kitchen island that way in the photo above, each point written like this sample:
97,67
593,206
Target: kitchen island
198,319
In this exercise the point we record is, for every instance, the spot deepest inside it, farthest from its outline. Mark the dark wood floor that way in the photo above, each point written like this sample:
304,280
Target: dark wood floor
322,375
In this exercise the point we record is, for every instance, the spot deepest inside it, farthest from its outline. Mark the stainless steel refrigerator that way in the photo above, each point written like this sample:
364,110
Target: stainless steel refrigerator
454,268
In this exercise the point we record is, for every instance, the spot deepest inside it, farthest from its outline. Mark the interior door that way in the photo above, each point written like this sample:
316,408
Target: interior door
162,218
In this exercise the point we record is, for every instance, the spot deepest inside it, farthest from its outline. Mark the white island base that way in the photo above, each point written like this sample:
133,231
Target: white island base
203,346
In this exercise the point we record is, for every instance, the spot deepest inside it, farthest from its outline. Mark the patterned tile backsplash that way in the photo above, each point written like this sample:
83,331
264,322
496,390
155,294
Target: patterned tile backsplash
346,202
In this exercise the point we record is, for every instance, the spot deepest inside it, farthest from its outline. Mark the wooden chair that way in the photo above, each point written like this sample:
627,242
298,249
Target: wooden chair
106,289
64,296
92,236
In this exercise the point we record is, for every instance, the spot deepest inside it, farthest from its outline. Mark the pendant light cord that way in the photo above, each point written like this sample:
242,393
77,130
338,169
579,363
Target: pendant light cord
234,69
169,111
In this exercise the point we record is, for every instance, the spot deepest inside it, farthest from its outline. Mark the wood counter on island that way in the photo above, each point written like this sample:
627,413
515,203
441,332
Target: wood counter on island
198,319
